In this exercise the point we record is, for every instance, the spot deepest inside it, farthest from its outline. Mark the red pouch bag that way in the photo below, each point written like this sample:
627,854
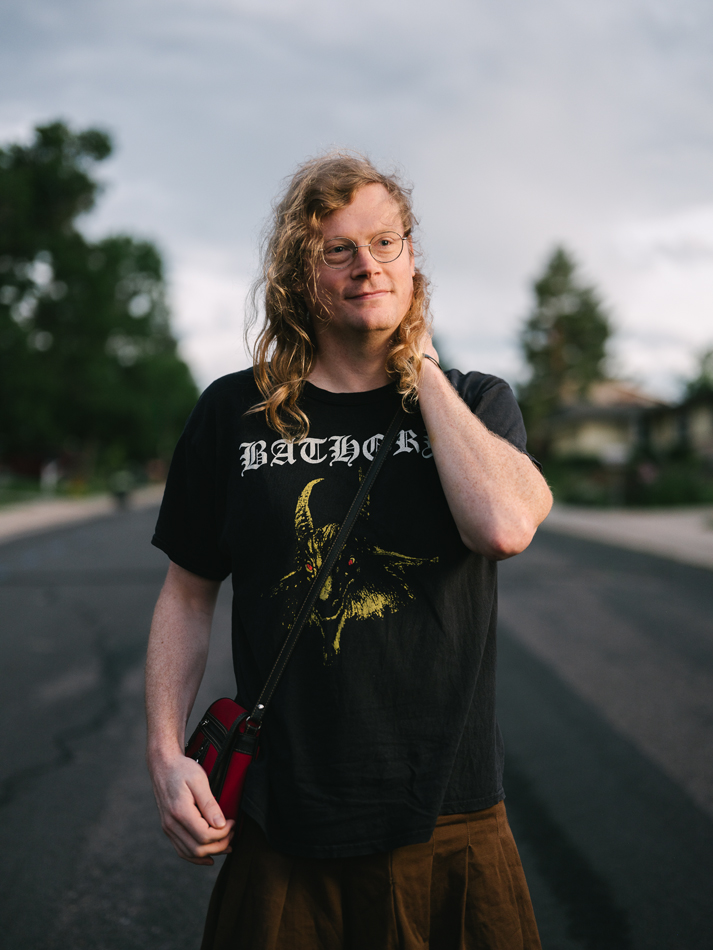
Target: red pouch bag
224,744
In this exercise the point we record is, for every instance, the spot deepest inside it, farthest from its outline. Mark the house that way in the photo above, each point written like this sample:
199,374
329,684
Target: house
685,428
610,427
619,421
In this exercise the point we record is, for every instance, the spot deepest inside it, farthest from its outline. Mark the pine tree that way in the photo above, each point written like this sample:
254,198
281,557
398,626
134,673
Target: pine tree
563,341
702,383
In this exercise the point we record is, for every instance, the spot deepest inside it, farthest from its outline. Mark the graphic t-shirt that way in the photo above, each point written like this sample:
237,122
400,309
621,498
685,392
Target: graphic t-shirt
385,716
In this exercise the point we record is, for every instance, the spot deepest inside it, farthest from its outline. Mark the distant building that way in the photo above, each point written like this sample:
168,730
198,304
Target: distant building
619,421
610,427
687,427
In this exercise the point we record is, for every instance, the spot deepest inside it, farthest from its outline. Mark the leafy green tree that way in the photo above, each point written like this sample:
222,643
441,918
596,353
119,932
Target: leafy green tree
702,383
563,341
87,359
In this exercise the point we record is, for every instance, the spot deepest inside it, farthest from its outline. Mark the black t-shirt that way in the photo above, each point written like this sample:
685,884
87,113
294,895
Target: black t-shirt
385,717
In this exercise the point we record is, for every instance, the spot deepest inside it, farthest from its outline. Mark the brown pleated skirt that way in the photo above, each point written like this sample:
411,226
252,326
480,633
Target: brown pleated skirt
462,890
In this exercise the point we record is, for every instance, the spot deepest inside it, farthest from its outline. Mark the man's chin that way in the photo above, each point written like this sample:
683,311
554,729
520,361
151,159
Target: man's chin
372,321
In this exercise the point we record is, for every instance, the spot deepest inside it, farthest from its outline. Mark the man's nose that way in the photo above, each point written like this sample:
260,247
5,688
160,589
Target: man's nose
364,263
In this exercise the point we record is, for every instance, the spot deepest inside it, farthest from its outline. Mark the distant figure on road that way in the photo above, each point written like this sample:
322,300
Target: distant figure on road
121,484
49,477
373,815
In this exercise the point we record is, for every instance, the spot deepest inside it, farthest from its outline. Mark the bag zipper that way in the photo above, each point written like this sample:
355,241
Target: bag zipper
213,730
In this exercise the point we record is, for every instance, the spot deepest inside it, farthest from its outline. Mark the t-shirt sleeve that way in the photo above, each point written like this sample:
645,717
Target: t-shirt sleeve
493,402
192,516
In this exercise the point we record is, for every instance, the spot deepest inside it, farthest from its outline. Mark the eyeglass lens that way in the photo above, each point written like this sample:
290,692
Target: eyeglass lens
384,247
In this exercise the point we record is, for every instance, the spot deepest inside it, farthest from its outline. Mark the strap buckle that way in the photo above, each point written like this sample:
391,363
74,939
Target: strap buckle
253,724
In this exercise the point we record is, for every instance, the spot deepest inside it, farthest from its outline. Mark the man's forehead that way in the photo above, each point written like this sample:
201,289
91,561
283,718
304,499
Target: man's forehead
371,203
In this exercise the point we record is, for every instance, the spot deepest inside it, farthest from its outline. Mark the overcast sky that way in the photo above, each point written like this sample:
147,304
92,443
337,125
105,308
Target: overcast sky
520,124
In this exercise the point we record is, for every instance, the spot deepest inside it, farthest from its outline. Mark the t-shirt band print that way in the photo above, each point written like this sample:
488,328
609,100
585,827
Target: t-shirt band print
343,448
366,581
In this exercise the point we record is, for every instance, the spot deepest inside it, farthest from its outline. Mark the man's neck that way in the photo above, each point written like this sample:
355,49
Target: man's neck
347,367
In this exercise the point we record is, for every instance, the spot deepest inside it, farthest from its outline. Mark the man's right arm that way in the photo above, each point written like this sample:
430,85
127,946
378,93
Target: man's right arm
177,653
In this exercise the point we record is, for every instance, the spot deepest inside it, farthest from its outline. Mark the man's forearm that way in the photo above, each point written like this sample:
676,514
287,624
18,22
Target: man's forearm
496,495
178,648
176,658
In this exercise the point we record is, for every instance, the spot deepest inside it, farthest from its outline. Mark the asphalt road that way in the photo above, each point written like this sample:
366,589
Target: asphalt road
606,705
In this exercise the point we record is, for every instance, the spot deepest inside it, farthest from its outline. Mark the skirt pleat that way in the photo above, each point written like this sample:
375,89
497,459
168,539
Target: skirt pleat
462,890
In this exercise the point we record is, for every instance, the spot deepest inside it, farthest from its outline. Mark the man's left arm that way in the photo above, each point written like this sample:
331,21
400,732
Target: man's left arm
495,493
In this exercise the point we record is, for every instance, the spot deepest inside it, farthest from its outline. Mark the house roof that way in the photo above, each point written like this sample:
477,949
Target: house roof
617,392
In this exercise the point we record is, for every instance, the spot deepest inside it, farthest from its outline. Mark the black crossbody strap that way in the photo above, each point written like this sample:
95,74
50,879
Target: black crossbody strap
288,646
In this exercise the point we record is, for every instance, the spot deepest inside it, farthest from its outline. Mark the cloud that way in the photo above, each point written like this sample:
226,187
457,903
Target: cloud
660,275
521,124
681,239
210,291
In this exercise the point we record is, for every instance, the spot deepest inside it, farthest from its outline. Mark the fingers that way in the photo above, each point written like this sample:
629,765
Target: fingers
187,828
429,348
425,345
198,844
200,813
199,853
190,815
207,805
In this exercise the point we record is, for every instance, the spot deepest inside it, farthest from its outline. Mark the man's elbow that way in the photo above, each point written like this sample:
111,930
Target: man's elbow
501,542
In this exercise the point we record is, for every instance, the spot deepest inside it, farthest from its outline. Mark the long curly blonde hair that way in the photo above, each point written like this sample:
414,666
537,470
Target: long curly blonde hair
285,347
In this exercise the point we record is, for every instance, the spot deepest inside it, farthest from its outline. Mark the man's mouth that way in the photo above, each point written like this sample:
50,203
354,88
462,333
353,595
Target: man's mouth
368,295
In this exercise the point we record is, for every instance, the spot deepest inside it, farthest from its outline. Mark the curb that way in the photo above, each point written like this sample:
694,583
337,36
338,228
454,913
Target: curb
34,517
680,534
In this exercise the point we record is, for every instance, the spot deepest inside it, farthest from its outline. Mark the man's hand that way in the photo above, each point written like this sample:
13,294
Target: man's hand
190,815
427,347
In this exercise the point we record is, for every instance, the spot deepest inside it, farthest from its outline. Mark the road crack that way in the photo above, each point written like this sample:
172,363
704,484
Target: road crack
114,665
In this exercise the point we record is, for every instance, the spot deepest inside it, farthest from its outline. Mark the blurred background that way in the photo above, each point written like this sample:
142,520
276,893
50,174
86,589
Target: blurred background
555,145
561,157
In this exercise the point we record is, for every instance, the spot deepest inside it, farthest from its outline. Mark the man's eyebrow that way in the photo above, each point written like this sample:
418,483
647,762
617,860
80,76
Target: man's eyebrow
343,237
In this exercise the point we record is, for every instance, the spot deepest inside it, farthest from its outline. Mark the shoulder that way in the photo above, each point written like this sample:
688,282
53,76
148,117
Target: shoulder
236,391
476,387
220,405
493,402
228,388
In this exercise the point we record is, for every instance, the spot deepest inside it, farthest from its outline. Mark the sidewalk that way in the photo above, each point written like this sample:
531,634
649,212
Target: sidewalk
35,516
683,534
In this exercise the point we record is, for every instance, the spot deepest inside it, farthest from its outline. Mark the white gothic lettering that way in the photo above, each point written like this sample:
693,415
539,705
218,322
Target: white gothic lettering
309,450
254,455
406,441
344,449
337,448
371,446
283,451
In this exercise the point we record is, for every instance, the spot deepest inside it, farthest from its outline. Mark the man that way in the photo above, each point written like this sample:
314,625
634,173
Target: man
373,816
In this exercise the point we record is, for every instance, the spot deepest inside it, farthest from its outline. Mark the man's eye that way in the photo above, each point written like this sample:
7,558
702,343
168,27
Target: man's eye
336,249
385,242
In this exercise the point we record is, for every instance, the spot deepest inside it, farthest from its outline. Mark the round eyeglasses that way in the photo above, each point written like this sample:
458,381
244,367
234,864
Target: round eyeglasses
385,247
